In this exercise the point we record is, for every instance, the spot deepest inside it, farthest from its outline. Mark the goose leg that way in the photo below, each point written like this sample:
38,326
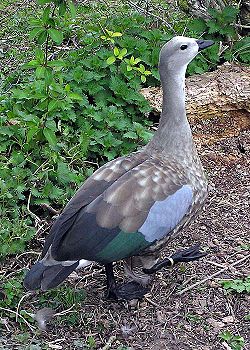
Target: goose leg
186,255
127,291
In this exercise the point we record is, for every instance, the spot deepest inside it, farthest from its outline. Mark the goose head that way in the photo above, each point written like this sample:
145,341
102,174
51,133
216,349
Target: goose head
176,54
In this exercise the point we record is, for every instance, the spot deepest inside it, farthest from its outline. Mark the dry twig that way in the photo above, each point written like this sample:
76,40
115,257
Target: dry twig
214,274
14,312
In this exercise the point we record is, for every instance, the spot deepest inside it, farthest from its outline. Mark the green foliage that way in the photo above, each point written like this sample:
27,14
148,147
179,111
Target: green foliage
15,232
12,290
221,25
220,28
235,342
90,343
193,318
237,285
63,296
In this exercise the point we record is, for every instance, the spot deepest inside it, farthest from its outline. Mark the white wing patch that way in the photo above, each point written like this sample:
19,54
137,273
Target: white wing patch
165,215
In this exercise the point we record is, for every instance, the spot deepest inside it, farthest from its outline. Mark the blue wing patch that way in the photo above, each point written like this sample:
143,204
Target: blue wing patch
165,215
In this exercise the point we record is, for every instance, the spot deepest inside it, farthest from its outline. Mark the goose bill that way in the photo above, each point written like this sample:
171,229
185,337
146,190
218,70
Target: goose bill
203,44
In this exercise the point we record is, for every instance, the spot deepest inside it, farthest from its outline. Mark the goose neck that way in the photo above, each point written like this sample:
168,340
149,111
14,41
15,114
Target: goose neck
173,134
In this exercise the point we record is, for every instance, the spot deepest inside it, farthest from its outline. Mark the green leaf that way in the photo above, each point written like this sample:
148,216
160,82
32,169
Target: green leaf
56,35
116,34
56,63
230,13
42,37
197,25
110,33
122,53
213,27
131,60
75,96
143,78
40,71
225,335
129,68
48,76
46,14
40,56
42,2
51,124
31,64
111,60
131,135
53,104
31,132
35,32
116,51
67,88
50,136
137,60
62,9
72,9
213,12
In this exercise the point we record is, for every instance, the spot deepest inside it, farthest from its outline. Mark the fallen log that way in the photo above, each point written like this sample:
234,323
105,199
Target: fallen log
226,89
220,98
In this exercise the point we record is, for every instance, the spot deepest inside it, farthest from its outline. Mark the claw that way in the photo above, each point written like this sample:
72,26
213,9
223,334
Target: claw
188,251
186,255
127,291
190,254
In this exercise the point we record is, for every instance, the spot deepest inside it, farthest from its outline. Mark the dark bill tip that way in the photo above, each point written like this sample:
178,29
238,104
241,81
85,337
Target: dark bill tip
203,44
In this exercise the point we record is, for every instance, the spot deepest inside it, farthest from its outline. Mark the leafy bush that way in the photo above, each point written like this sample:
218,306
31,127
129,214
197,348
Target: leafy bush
64,118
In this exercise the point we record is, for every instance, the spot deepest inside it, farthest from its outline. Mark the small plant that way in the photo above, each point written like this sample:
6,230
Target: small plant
132,63
64,296
110,36
12,290
237,285
236,342
193,318
90,343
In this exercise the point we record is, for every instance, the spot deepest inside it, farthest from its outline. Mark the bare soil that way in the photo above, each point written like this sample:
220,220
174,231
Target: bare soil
166,319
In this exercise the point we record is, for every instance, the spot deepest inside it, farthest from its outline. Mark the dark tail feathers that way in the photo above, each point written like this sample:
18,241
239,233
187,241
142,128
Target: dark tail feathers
47,277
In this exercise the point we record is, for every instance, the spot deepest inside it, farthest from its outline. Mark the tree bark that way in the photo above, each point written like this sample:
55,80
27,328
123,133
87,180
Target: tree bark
245,16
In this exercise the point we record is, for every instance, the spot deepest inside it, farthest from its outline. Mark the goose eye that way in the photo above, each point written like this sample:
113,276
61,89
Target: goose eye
183,47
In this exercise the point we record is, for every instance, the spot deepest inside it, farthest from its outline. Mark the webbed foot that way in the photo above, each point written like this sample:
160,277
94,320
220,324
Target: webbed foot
186,255
127,291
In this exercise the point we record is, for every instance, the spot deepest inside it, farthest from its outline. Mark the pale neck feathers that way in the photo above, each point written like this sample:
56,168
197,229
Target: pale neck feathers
173,135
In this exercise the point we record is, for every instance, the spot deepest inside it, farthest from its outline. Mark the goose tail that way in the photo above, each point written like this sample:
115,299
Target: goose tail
44,277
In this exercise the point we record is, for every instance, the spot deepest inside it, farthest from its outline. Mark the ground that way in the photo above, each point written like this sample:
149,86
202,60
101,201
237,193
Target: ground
168,317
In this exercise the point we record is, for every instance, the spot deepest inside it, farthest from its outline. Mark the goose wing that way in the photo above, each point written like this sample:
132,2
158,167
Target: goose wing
121,209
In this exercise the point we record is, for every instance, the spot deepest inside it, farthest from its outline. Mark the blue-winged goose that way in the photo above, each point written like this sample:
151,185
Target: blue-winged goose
132,205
